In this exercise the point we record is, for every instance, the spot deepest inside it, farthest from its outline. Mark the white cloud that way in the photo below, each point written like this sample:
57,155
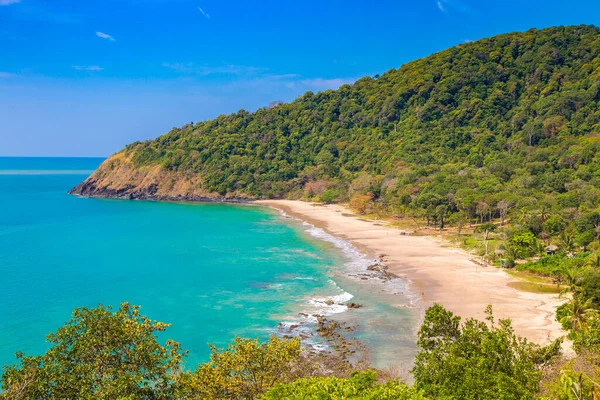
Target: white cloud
203,13
8,2
319,84
204,70
289,82
448,6
253,77
87,68
105,36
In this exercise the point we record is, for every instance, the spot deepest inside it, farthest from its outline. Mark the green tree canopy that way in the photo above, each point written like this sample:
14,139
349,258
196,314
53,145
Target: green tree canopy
99,353
475,360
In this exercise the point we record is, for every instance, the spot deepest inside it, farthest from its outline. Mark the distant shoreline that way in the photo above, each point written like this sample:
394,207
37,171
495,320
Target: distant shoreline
437,274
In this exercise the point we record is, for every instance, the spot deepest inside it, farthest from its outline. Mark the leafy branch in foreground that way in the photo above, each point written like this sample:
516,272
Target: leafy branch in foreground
245,370
108,354
99,354
476,360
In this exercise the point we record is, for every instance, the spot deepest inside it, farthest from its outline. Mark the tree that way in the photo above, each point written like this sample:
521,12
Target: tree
360,203
567,241
485,231
524,215
442,212
569,277
553,125
482,210
543,211
99,354
524,243
476,361
577,312
328,196
246,369
459,220
503,208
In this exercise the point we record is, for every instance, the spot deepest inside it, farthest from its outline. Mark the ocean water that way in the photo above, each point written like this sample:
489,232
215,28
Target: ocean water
213,271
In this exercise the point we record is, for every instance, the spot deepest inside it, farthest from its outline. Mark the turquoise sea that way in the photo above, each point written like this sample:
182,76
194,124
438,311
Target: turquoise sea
213,271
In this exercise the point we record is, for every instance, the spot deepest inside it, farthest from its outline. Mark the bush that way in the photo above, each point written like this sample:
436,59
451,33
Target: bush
361,203
361,386
476,361
245,370
524,244
328,196
510,262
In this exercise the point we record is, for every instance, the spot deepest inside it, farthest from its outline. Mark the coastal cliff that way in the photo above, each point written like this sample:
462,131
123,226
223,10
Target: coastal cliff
117,177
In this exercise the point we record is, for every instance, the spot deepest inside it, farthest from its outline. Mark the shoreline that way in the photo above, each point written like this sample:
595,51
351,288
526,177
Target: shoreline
435,273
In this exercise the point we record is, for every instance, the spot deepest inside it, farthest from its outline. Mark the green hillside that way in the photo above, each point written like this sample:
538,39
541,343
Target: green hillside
483,128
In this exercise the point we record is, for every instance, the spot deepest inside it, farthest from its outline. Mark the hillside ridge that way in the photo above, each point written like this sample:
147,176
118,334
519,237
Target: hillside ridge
506,114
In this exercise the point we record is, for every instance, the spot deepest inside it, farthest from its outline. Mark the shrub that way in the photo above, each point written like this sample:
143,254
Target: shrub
361,386
474,360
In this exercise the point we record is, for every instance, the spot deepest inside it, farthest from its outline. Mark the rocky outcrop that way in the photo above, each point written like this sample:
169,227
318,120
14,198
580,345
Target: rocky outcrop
117,177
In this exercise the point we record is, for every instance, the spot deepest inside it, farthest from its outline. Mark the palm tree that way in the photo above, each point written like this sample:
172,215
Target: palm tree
569,277
567,241
543,212
578,312
512,251
594,261
523,215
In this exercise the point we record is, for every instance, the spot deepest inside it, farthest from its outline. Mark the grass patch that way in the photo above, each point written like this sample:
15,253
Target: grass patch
532,282
534,287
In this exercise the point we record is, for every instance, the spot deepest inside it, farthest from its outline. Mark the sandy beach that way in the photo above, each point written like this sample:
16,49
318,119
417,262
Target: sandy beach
437,272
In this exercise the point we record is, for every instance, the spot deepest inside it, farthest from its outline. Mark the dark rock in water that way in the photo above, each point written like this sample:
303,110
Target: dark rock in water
329,302
377,267
353,305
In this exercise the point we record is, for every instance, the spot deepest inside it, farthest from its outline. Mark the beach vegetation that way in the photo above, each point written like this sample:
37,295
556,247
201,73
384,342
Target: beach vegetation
362,385
477,359
115,354
99,353
246,369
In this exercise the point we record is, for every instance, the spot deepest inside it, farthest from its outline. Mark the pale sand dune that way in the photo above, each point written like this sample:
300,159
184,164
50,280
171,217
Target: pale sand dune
439,274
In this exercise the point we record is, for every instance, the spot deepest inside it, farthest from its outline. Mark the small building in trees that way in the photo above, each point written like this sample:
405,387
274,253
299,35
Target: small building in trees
551,249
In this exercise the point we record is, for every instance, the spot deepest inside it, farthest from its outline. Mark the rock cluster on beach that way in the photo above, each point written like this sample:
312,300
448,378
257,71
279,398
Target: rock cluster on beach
333,332
378,269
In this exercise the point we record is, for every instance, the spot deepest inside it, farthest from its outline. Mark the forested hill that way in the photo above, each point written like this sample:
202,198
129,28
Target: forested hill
510,118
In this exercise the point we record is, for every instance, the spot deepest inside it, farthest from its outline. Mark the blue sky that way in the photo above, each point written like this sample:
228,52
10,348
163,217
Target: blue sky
86,77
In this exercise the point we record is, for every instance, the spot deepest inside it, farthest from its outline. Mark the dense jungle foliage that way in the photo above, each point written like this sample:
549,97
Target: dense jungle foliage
106,354
510,117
